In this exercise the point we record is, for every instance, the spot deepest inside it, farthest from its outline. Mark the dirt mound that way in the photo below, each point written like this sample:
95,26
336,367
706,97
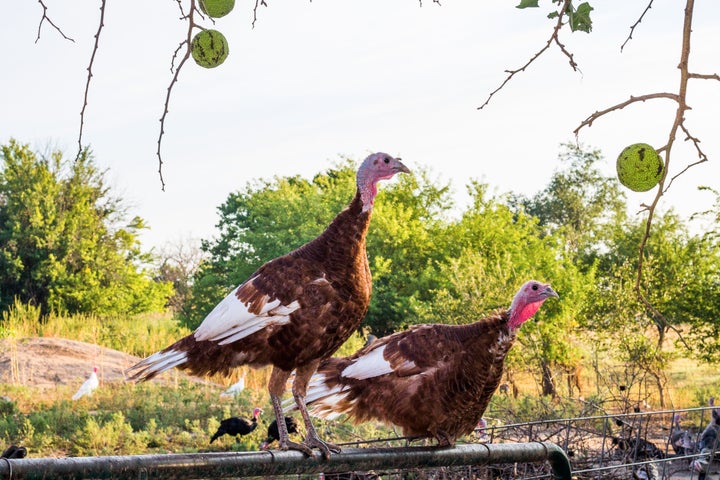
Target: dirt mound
45,362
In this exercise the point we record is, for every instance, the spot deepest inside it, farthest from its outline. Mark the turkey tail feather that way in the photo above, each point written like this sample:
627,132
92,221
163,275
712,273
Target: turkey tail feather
156,364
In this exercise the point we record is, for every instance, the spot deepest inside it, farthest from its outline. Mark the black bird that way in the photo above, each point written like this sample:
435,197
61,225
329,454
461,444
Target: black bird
14,452
273,434
235,426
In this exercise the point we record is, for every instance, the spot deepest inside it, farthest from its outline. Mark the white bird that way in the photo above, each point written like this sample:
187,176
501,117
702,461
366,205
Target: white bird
235,388
88,386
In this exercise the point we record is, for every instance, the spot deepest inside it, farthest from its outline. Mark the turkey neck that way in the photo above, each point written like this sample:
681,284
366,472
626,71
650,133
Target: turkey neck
342,243
486,342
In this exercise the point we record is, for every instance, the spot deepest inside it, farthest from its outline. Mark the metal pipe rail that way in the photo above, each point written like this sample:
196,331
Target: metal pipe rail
251,464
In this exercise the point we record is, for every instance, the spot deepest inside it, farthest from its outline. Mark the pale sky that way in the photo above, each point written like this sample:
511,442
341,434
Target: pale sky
316,81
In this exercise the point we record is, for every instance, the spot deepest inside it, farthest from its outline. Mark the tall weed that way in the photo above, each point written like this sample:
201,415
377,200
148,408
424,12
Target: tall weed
138,335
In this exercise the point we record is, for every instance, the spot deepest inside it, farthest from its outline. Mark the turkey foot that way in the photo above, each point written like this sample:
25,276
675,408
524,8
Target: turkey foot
290,445
444,440
325,447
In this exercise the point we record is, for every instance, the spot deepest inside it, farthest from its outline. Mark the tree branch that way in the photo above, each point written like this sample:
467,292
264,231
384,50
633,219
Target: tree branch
678,122
711,76
187,43
89,69
553,38
257,3
701,155
46,18
632,29
641,98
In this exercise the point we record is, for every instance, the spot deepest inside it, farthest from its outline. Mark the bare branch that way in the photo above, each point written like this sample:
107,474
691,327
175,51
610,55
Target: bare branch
89,69
553,38
710,76
641,98
701,155
257,3
632,29
187,43
46,18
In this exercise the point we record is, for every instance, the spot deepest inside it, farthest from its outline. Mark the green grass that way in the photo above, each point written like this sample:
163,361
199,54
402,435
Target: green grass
126,419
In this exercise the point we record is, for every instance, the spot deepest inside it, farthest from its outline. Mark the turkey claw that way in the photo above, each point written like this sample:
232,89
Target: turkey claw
297,446
325,447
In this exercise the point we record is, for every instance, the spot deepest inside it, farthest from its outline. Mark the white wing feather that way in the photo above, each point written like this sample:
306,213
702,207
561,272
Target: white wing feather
373,364
230,320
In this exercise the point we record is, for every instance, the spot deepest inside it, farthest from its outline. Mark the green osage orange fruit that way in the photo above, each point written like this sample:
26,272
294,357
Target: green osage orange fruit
216,8
639,167
209,48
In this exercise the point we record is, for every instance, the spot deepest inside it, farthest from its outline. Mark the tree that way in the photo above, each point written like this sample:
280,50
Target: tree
579,203
64,243
178,263
682,281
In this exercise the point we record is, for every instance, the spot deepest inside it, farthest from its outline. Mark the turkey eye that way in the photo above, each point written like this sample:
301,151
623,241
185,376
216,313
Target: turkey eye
387,159
534,287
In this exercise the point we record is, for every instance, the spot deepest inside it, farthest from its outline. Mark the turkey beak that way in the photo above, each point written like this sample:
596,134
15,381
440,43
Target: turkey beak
400,167
549,292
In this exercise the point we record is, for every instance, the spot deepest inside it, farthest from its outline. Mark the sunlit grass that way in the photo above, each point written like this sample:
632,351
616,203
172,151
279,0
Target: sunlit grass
138,335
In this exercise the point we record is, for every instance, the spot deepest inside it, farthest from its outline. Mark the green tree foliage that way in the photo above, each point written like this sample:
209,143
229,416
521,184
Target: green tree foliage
579,203
682,278
63,244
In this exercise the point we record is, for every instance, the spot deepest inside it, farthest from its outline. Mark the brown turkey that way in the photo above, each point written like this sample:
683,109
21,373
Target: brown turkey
432,380
292,312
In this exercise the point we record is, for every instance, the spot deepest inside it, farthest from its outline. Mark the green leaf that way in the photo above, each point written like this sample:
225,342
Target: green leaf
528,4
580,18
552,15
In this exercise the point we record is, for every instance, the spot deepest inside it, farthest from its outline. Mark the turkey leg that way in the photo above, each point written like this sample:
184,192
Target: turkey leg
299,390
278,379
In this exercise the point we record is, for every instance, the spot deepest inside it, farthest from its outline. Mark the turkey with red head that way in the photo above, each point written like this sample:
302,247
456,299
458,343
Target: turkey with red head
292,312
432,380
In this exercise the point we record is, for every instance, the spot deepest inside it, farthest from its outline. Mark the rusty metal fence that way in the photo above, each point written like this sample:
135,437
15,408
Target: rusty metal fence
276,463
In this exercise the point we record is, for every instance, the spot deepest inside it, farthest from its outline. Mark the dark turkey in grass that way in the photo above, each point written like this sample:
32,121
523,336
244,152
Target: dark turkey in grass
236,426
432,380
293,312
273,433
